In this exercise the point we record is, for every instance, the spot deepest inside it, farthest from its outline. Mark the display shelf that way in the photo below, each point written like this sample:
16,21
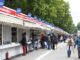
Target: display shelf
9,46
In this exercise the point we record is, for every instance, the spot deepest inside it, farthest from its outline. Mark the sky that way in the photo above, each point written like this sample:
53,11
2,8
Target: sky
75,10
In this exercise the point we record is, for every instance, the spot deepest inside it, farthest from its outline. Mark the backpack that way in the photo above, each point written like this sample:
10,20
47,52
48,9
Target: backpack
70,43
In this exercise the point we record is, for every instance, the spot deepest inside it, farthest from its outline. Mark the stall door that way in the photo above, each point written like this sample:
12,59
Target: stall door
14,34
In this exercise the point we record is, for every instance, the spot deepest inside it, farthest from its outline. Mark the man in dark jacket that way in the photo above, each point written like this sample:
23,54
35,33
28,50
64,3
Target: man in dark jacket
49,42
24,44
33,41
44,40
53,41
23,41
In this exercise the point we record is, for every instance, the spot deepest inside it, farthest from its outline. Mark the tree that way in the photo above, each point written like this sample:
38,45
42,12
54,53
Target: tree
78,26
53,11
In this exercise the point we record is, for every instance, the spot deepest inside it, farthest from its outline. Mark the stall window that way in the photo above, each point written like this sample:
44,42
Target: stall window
6,34
14,34
0,34
31,34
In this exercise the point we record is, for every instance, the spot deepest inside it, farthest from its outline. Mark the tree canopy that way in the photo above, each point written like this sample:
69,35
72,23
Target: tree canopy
53,11
78,26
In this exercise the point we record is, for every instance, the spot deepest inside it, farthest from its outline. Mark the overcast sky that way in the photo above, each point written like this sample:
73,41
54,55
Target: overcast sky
75,10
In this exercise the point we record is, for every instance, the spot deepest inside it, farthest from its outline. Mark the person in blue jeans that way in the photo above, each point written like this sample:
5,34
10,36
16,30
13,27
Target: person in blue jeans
49,41
33,41
53,40
44,40
37,42
77,42
70,44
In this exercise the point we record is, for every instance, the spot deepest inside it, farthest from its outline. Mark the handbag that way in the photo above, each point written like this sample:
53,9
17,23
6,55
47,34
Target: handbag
45,43
70,43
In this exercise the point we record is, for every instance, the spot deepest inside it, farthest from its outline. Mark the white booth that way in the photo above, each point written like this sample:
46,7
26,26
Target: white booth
11,29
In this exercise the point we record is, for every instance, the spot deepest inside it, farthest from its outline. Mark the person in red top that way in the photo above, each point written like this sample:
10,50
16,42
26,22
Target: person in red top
42,35
61,38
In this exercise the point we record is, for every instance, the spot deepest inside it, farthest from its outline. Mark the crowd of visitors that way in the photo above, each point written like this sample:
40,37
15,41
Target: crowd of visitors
50,41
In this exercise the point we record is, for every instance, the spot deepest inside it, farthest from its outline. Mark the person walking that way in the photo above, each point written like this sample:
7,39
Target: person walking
61,38
64,38
33,41
37,42
45,39
41,40
70,43
49,42
56,42
53,41
24,43
75,38
58,38
77,42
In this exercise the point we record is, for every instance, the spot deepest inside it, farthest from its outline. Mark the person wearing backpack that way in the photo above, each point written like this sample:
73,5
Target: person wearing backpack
77,42
69,44
53,40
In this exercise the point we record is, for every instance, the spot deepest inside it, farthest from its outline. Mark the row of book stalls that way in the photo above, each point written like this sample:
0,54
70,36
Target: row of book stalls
12,25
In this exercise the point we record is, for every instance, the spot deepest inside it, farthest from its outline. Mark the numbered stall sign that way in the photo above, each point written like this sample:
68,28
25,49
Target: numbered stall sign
2,3
18,10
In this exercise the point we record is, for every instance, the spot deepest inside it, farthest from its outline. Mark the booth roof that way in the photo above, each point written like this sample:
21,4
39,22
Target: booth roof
12,12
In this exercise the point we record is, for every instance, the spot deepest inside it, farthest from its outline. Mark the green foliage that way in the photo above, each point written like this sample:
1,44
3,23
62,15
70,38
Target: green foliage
78,26
53,11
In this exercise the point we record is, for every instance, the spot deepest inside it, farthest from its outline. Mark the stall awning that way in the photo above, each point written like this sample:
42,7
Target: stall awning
10,16
10,20
45,28
28,24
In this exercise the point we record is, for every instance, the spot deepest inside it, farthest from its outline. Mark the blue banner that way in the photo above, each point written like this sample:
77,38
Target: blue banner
18,10
39,19
2,3
43,21
35,17
29,15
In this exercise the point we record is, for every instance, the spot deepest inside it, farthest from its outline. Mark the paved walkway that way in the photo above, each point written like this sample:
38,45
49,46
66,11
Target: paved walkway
44,54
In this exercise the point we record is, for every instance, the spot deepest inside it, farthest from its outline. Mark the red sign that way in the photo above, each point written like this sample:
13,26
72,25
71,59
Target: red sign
22,16
7,11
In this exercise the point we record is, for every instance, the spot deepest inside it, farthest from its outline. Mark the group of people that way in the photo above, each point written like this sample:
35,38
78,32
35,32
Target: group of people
51,40
24,42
